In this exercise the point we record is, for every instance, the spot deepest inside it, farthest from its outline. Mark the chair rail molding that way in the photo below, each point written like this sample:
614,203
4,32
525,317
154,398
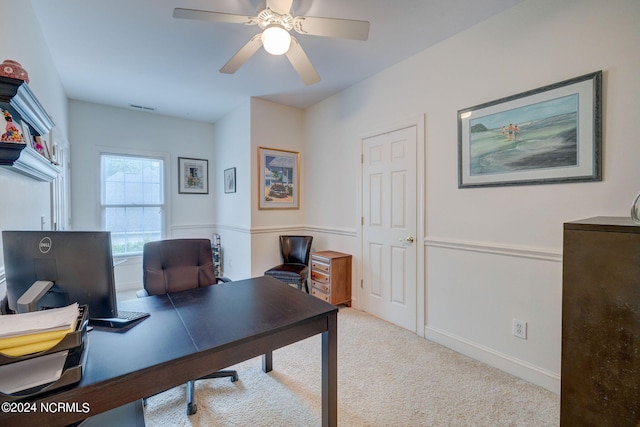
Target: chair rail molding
277,229
191,226
332,230
233,228
287,229
495,249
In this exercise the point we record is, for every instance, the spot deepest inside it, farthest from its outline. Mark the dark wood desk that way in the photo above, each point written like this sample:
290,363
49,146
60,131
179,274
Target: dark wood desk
190,334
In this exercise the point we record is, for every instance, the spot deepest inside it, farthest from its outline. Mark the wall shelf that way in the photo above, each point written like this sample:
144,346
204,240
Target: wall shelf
27,161
16,97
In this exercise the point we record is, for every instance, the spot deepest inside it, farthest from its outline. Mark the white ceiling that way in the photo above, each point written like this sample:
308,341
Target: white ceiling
122,52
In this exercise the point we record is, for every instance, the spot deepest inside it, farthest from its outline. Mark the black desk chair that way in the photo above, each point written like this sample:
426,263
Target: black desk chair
295,251
178,265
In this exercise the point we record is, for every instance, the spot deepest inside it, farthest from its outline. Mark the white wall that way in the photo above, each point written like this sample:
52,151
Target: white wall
280,127
232,136
24,200
249,235
95,128
492,254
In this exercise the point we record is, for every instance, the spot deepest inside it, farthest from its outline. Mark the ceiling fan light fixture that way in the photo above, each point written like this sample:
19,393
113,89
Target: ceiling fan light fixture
275,39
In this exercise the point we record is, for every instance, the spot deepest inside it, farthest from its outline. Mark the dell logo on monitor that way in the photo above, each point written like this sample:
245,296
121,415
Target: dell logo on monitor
45,245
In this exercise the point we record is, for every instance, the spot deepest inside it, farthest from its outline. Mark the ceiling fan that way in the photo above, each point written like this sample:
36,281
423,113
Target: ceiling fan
276,22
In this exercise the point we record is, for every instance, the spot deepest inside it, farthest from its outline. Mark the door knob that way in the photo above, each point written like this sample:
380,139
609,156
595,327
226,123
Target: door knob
408,239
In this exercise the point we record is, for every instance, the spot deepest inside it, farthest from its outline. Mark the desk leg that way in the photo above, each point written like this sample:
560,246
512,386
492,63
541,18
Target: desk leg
267,362
330,373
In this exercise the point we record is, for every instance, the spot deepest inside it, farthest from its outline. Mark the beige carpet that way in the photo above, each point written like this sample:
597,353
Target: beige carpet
387,376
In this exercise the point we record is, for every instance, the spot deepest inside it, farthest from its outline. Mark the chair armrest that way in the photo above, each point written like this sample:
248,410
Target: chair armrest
222,279
142,293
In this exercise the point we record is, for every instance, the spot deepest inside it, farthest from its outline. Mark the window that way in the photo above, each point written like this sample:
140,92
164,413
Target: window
132,200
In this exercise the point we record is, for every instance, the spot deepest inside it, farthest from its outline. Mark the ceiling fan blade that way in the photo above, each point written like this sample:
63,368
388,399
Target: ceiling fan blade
332,27
301,63
242,55
204,15
280,6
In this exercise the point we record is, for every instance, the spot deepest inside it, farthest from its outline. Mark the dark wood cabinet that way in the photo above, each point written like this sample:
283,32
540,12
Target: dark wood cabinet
600,377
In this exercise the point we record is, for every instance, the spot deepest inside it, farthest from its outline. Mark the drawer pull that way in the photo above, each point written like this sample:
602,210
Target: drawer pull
320,295
326,288
319,266
319,277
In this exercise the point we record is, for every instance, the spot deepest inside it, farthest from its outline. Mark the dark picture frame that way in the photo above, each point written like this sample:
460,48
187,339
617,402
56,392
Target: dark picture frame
230,180
193,176
552,134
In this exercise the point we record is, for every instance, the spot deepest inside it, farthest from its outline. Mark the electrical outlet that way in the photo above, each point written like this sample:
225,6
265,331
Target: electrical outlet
520,329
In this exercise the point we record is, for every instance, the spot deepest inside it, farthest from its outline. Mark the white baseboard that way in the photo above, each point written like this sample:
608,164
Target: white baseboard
511,365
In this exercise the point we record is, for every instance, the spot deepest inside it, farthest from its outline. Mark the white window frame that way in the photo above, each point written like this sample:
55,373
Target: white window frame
165,157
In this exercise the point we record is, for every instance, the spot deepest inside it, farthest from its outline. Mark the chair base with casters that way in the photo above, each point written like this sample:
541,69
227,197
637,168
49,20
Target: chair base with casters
295,274
295,251
192,407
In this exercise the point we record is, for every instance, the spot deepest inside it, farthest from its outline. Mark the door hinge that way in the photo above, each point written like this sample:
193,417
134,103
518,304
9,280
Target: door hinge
361,284
362,158
361,220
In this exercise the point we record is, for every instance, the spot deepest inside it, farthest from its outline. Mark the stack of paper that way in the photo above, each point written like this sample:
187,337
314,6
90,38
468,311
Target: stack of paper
19,376
27,333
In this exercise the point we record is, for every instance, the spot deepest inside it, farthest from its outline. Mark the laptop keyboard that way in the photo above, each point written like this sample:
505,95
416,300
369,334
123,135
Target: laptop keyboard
131,315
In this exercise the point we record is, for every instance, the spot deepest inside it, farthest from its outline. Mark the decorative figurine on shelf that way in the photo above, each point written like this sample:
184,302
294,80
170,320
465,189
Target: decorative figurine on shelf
12,133
13,69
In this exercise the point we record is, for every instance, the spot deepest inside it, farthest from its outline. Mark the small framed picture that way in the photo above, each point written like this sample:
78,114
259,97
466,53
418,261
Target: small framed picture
41,145
230,180
193,176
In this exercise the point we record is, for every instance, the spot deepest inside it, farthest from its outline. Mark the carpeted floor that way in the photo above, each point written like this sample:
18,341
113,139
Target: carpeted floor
387,376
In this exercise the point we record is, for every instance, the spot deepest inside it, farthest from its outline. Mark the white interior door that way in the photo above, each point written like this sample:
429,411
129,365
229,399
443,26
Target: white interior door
389,226
60,192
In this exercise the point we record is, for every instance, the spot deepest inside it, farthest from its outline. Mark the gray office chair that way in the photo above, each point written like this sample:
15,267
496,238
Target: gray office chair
178,265
295,251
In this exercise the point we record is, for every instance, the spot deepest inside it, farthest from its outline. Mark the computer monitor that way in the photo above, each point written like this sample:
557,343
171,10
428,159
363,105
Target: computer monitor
79,263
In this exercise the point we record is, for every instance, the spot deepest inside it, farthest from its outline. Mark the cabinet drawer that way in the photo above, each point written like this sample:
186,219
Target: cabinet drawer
316,265
323,287
316,293
319,276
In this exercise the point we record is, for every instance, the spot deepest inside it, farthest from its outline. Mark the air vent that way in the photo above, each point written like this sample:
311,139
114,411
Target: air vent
141,107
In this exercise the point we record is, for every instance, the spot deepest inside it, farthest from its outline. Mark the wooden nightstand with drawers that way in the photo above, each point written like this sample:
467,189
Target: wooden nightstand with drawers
331,277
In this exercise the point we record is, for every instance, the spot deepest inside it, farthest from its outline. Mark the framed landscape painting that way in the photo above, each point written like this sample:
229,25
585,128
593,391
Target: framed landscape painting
547,135
278,179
